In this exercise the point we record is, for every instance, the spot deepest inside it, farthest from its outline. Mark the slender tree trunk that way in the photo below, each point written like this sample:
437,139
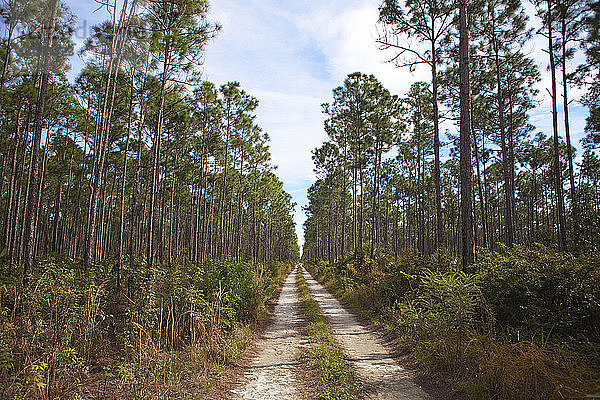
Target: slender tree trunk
156,160
439,236
509,237
10,200
37,136
123,180
574,199
466,170
343,212
480,190
562,233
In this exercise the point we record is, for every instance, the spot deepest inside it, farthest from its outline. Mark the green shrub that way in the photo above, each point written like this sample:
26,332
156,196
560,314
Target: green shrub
524,325
538,292
160,325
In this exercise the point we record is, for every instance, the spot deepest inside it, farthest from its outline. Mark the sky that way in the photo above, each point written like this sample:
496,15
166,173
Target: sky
290,54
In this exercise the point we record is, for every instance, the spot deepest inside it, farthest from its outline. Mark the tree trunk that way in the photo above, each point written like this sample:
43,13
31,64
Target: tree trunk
466,170
509,235
574,199
439,236
32,210
156,160
562,234
123,180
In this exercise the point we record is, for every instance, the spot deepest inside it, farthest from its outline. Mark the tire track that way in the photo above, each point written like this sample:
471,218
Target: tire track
272,373
380,374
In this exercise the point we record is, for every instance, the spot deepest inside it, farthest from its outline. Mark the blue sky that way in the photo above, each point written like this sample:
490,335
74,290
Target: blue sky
290,54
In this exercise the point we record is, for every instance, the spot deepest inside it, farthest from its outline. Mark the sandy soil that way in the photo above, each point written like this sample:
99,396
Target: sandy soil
382,377
272,373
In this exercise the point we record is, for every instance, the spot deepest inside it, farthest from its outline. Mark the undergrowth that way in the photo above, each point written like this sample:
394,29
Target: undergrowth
164,333
333,374
524,325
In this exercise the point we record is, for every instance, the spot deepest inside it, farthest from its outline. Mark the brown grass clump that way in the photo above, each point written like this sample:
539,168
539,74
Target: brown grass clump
527,371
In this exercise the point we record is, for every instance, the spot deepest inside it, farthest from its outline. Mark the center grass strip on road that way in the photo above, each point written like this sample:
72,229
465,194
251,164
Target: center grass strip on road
334,376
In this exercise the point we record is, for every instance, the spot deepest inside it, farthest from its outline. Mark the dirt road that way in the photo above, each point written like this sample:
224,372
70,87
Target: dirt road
272,372
380,374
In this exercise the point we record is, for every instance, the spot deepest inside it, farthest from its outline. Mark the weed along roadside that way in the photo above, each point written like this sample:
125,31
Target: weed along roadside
329,370
520,326
176,337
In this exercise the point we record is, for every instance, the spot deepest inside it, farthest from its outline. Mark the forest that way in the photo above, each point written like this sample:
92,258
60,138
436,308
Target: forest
445,215
148,244
140,209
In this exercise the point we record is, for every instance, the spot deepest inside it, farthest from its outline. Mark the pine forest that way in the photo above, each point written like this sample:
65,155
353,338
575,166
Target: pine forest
156,241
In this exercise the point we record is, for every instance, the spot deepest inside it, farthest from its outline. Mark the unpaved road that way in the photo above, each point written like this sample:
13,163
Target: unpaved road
272,372
380,374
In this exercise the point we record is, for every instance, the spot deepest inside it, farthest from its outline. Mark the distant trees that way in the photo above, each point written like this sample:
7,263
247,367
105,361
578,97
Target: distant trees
500,32
45,61
360,125
507,178
137,161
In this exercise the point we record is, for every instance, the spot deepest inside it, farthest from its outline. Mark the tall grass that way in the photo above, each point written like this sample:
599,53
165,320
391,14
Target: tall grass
524,325
165,332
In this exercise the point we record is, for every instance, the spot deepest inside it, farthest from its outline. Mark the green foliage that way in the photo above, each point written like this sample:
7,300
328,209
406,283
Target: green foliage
540,292
445,300
167,328
523,325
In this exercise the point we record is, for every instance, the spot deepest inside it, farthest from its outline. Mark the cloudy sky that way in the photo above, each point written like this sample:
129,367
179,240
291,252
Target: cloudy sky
290,54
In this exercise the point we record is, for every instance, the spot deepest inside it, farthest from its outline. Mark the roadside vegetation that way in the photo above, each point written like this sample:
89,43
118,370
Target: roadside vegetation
167,333
333,374
143,230
522,325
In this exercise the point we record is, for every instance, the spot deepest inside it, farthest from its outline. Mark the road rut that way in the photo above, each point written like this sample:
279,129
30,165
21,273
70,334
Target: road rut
272,372
382,377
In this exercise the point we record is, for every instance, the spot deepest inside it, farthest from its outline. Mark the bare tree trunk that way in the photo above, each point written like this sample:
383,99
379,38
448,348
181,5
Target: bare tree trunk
156,161
439,236
8,226
123,180
482,200
30,226
562,233
508,220
574,199
466,168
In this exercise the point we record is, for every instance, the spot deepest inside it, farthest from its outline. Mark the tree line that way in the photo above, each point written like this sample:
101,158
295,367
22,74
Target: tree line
385,178
137,160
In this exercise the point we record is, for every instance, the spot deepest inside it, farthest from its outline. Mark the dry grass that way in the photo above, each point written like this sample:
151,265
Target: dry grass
78,337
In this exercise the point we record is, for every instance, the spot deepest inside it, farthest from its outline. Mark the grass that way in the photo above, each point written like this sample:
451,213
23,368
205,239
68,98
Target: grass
333,375
169,332
470,333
